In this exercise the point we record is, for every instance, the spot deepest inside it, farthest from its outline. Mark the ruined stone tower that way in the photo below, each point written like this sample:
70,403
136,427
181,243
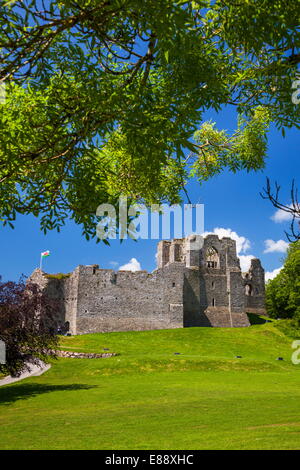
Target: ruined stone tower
198,282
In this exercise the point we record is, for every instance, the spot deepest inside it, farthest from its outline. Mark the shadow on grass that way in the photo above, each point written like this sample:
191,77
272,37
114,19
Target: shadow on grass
23,391
255,319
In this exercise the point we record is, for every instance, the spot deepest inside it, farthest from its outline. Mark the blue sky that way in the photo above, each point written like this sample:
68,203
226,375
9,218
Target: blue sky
231,201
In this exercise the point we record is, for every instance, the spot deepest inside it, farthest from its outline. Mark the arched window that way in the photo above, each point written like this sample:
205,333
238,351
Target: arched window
212,257
248,289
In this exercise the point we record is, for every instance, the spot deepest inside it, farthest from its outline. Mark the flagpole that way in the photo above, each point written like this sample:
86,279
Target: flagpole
43,254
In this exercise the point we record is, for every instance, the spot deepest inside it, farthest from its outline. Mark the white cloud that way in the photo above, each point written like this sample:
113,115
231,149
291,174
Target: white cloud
242,243
281,216
271,274
114,264
276,247
133,265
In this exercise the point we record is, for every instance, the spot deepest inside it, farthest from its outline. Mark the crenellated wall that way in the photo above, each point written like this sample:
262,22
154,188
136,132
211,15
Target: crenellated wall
124,300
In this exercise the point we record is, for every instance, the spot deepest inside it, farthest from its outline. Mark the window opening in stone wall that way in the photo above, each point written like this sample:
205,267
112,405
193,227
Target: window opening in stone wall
212,257
248,289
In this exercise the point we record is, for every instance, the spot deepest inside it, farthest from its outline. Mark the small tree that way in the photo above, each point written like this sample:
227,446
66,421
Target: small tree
28,326
283,292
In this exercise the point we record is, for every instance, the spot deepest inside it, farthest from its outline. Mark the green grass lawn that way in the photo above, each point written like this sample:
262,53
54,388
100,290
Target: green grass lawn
150,398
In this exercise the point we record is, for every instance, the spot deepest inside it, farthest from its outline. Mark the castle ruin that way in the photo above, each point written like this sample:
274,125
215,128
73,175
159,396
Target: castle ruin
198,282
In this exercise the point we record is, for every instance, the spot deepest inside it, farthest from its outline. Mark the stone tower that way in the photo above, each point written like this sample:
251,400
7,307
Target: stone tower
215,291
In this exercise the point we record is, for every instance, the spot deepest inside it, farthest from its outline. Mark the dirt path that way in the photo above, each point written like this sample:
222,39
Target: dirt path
34,372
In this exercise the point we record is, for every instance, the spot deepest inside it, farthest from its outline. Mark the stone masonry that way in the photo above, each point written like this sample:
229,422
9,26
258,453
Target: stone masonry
198,282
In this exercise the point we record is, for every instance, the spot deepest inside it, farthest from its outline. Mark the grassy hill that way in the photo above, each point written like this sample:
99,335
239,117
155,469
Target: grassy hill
151,397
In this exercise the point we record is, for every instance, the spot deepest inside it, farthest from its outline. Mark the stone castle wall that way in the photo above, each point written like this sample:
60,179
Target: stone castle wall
194,285
123,300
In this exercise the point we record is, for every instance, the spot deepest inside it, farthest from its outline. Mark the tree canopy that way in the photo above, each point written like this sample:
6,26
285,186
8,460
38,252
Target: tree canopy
105,98
283,292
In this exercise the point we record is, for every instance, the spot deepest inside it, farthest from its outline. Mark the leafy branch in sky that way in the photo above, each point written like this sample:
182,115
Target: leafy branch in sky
105,98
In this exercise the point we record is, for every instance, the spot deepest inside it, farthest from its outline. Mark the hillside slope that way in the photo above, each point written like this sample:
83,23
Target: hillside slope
148,397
